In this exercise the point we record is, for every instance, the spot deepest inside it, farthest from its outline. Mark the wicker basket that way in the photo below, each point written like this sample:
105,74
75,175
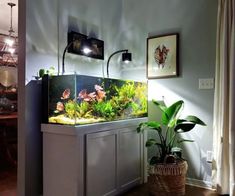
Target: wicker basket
168,179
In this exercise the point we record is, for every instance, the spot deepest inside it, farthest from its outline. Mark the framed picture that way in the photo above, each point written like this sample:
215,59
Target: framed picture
162,56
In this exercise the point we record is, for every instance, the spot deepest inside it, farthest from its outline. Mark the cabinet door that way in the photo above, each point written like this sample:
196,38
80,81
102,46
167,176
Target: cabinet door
129,162
101,163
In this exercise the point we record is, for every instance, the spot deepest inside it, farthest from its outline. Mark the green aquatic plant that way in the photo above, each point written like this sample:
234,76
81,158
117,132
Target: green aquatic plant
127,91
130,99
104,109
123,97
74,109
70,108
140,101
83,110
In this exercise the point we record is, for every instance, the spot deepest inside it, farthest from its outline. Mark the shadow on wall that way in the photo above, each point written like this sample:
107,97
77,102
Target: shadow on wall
82,26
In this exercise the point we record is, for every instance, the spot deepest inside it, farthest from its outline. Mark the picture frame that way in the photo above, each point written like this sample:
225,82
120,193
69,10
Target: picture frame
162,56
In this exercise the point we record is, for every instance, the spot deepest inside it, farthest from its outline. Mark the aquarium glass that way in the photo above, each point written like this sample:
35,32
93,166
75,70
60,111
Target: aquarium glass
79,99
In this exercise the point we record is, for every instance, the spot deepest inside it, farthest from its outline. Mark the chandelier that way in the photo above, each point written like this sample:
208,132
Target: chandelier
8,51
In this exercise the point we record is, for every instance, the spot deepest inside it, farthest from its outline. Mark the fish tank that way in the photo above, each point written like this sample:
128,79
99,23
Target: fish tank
79,99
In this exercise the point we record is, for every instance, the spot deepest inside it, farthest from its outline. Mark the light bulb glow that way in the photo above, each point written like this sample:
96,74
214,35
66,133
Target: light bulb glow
126,61
9,42
86,50
11,50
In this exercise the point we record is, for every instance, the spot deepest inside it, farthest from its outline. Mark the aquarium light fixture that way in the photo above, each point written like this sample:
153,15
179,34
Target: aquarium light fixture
82,45
126,57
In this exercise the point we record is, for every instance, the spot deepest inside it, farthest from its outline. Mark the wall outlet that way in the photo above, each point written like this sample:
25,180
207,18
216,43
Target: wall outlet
206,83
209,156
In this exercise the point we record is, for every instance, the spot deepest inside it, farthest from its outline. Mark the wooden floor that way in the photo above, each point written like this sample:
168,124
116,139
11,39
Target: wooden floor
8,180
190,191
8,183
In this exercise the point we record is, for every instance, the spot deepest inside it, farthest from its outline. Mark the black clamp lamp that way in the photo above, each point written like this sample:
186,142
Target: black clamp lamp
85,49
126,57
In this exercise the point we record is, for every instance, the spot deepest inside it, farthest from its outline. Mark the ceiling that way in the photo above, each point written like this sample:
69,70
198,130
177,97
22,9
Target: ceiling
5,16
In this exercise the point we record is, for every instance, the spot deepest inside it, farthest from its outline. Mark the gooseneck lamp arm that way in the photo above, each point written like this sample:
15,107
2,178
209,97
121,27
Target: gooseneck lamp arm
119,51
63,68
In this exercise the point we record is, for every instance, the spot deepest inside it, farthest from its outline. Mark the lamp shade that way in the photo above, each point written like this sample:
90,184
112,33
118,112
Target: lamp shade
126,56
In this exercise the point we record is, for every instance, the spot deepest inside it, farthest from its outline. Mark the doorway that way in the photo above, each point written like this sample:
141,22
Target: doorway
8,96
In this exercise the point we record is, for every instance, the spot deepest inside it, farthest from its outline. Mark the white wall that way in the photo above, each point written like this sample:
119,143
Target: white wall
43,27
121,24
48,23
195,21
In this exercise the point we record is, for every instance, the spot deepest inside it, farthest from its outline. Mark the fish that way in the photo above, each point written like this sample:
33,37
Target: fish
100,95
85,96
98,88
66,94
82,94
90,97
59,107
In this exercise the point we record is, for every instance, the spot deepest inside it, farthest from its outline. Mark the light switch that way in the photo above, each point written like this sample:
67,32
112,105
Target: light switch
206,83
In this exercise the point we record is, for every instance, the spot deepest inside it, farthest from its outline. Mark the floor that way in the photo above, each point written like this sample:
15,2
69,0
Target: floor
8,186
190,191
8,180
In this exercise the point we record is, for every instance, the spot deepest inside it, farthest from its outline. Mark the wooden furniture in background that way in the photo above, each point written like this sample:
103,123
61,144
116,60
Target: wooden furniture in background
8,138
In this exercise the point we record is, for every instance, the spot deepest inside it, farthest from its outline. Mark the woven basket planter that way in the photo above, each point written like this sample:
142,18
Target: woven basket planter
168,179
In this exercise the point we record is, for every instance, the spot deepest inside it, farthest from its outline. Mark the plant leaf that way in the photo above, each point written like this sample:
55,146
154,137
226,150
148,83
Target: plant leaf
184,140
161,107
180,121
153,160
169,116
195,120
152,142
154,125
140,128
184,127
151,124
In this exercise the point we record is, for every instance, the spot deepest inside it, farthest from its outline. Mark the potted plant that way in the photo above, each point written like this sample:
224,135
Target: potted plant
167,169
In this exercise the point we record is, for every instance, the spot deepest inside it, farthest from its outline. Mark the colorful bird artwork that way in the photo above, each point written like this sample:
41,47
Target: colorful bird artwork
160,56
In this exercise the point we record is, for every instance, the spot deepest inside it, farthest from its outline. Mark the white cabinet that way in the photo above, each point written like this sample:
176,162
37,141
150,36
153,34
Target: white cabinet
92,160
101,163
113,161
130,158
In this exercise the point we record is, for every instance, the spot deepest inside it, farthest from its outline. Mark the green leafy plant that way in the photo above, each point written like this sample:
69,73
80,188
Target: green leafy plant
123,98
70,108
104,109
51,71
127,91
168,130
139,104
83,110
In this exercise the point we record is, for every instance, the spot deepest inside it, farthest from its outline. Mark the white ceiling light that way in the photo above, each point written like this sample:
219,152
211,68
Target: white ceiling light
9,47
